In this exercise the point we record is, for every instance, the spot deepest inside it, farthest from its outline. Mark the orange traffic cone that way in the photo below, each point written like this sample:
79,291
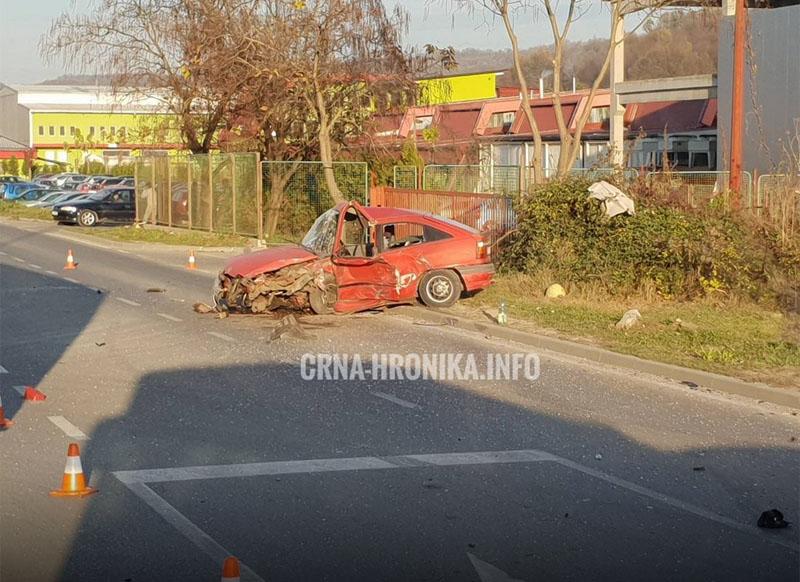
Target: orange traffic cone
33,394
4,422
192,264
71,264
74,483
230,570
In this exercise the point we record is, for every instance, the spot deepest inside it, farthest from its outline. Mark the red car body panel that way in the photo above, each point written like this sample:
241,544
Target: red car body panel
393,276
253,264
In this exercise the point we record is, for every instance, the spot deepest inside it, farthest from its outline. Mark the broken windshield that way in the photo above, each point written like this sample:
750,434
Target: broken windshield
320,237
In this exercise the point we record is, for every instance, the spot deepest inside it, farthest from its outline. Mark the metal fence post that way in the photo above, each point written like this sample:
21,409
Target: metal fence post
189,191
136,190
169,192
210,194
260,196
233,191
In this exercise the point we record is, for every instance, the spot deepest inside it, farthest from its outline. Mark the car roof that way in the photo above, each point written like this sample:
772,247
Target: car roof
382,214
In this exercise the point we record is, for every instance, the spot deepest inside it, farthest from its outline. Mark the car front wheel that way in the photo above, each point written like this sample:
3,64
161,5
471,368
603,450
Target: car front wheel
440,288
87,218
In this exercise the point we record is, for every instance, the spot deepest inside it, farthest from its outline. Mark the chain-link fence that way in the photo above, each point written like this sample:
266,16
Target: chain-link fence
700,188
213,192
405,177
502,180
779,202
295,193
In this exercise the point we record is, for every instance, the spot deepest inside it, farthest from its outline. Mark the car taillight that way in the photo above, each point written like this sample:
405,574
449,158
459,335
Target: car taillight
483,249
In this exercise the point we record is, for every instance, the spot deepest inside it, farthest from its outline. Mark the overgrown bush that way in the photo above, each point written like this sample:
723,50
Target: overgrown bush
682,253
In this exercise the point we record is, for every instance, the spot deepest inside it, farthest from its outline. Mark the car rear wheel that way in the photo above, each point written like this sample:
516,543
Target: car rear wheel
87,218
440,288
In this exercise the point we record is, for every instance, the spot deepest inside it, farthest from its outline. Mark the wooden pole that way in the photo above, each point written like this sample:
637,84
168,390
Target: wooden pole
737,102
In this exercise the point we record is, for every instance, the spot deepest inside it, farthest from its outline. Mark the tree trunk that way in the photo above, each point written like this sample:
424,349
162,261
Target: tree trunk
326,150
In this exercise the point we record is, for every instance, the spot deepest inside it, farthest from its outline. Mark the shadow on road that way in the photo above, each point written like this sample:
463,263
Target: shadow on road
535,521
40,317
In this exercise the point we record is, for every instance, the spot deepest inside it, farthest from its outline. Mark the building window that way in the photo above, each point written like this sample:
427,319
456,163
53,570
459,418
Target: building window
72,130
599,115
123,134
102,130
41,130
61,130
52,130
113,131
91,131
503,120
423,122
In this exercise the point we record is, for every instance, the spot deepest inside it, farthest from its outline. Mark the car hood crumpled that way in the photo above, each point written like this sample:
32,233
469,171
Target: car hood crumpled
253,264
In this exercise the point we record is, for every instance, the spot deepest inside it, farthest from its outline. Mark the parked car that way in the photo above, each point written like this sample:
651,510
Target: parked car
72,182
66,196
93,184
8,179
112,204
355,258
46,200
14,190
34,194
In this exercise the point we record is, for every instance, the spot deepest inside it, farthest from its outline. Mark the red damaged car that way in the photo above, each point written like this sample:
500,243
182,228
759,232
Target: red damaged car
356,257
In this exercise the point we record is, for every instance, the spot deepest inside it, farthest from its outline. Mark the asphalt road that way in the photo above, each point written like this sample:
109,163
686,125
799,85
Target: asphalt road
204,440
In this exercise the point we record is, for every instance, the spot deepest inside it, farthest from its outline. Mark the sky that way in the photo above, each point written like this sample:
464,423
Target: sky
23,22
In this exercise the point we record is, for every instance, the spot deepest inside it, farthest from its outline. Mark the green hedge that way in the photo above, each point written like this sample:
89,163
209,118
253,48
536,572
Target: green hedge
681,252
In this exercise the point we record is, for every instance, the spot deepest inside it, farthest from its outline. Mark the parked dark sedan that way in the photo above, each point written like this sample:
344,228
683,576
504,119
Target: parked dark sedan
111,204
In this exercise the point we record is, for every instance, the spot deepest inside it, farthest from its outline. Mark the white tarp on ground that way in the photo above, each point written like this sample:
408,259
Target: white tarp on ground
614,200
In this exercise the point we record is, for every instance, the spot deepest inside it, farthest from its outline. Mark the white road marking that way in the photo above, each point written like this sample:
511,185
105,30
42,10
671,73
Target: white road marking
18,259
69,429
128,302
51,272
221,336
487,572
71,280
140,477
3,253
169,317
20,390
3,370
193,533
395,399
32,266
123,252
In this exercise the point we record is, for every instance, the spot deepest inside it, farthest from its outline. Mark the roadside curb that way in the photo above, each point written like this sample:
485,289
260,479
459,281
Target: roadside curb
780,396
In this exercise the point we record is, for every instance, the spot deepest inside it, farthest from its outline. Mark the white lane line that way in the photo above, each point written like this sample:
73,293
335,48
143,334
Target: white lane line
20,390
193,533
69,429
123,252
18,259
221,336
51,273
3,253
396,400
139,478
32,266
3,370
128,302
71,280
169,317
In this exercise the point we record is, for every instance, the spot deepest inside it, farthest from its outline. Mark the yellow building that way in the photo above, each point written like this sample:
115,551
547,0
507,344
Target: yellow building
457,88
72,125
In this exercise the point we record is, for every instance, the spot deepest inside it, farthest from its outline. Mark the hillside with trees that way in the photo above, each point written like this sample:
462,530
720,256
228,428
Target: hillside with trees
676,44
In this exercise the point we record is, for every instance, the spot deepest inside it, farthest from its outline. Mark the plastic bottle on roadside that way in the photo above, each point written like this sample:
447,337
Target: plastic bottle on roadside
502,314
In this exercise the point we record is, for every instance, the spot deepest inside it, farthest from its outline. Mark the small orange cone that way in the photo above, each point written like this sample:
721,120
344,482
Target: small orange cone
71,264
73,483
230,570
33,394
192,264
4,422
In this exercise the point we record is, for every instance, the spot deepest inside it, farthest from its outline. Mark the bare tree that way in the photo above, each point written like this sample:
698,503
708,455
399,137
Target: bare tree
560,18
182,52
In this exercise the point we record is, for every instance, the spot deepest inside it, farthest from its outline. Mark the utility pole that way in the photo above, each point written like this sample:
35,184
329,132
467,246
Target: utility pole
737,100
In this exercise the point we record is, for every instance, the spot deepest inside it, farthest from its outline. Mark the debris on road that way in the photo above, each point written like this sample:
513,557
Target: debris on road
288,324
156,290
203,308
629,319
99,344
613,200
33,395
772,519
699,468
598,457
